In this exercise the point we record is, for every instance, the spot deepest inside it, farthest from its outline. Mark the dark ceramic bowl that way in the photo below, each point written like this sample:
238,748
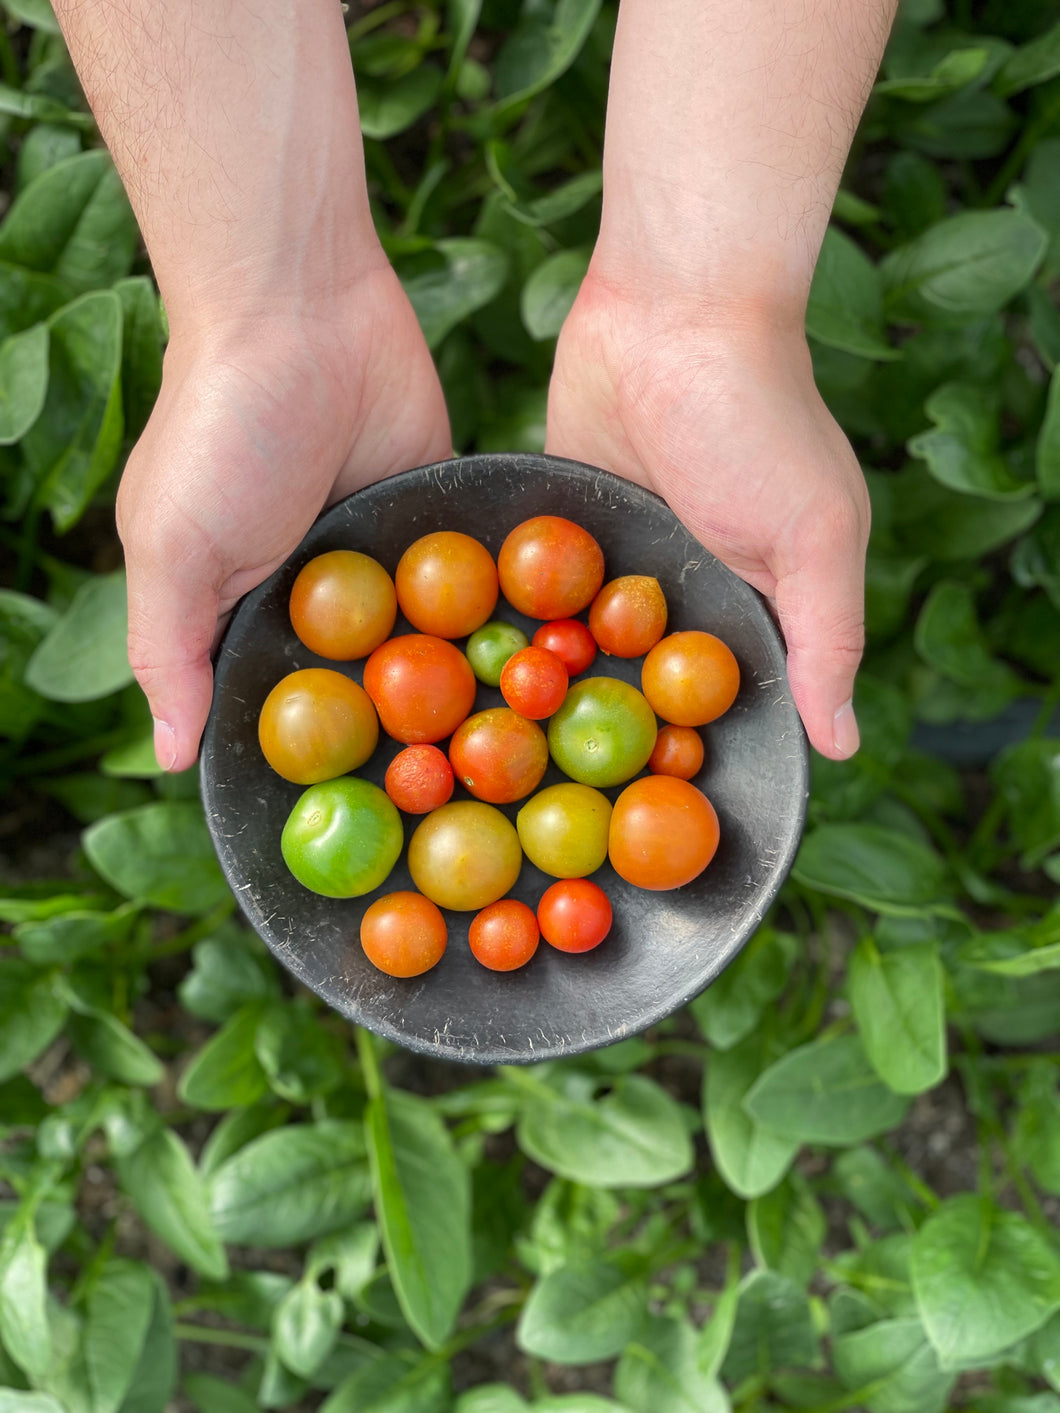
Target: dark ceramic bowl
664,948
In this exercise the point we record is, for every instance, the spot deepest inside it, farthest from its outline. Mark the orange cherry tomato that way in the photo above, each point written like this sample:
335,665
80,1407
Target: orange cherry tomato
419,779
343,605
317,724
663,833
690,678
446,584
504,936
678,751
534,683
550,568
498,755
570,640
574,915
628,615
421,686
403,934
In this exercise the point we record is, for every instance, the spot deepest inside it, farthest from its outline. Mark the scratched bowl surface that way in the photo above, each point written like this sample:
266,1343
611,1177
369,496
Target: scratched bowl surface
664,947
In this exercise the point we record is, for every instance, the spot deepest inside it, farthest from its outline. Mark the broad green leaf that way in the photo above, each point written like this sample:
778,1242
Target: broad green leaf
1036,1131
170,1196
953,71
894,1367
393,1383
351,1254
969,264
389,106
898,1005
576,1403
19,1401
983,1277
953,525
72,935
292,1184
1036,558
969,124
423,1203
155,1375
584,1313
226,974
209,1394
1032,63
84,655
134,758
23,1294
875,1189
550,291
491,1398
562,201
38,14
1027,777
32,1012
825,1092
302,1058
731,1006
27,297
112,1049
457,277
786,1228
1048,447
774,1328
226,1072
634,1136
543,46
1008,954
89,796
238,1128
305,1326
750,1157
117,1318
872,865
46,143
962,451
23,381
142,341
160,854
846,300
1039,195
660,1371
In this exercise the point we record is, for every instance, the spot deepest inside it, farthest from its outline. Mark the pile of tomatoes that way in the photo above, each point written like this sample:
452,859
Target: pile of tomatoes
345,834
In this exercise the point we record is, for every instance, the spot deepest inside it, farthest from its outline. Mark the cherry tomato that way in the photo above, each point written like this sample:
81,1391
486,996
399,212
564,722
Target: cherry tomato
504,936
446,584
678,751
550,568
534,683
570,640
563,830
343,605
465,855
317,724
628,615
419,779
498,755
690,678
603,733
490,647
342,838
663,832
421,686
574,915
403,934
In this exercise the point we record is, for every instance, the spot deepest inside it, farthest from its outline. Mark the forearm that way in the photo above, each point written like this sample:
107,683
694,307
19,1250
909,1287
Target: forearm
234,127
727,130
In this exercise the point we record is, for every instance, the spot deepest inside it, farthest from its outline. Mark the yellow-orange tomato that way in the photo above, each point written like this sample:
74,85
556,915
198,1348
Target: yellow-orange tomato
690,678
498,755
421,686
628,615
447,584
315,725
343,605
678,751
663,833
465,855
403,934
550,568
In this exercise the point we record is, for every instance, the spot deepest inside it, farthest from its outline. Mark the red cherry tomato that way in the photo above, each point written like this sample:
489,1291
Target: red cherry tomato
574,915
422,687
628,615
570,640
419,779
498,755
403,934
550,568
504,936
678,751
534,683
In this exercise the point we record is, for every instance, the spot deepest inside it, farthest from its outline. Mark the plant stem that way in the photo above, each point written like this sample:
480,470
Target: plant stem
233,1339
369,1058
1032,134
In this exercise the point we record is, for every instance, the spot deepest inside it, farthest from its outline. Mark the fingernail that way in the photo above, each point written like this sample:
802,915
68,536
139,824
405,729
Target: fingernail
845,736
165,744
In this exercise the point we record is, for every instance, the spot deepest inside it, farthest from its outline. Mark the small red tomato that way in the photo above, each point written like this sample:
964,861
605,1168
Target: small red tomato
419,779
550,568
628,615
534,683
498,755
574,915
421,686
678,751
504,936
570,640
403,934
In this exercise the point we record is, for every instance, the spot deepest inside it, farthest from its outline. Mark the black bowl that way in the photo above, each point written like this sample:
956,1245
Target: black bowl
665,947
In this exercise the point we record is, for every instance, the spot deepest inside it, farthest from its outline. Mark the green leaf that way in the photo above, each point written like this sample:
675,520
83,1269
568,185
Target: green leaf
23,381
18,1401
953,71
584,1313
170,1196
660,1371
873,866
26,298
751,1157
351,1254
898,1005
491,1398
962,450
305,1327
36,13
117,1318
423,1203
226,973
875,1189
31,1014
1036,1131
301,1057
846,300
72,935
159,854
155,1374
1027,777
23,1294
1032,63
786,1228
393,1383
550,291
210,1394
561,202
731,1006
825,1092
983,1278
84,655
450,282
774,1328
226,1072
112,1049
389,106
1018,962
969,264
895,1368
633,1137
142,342
238,1128
292,1184
1048,445
546,42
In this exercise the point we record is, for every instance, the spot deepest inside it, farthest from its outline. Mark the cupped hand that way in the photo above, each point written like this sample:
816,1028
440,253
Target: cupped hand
260,423
717,411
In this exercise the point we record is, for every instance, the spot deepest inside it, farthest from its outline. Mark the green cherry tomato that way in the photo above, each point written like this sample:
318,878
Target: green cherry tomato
490,647
563,830
342,838
603,733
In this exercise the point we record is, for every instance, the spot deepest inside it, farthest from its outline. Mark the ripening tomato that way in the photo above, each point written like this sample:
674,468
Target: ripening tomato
504,936
663,832
343,605
603,733
419,779
317,724
628,615
498,755
534,683
403,934
563,830
446,584
421,686
570,640
678,751
550,568
490,647
690,678
465,855
574,915
342,838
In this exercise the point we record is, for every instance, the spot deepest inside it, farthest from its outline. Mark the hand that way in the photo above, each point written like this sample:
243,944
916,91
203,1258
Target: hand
717,411
260,423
